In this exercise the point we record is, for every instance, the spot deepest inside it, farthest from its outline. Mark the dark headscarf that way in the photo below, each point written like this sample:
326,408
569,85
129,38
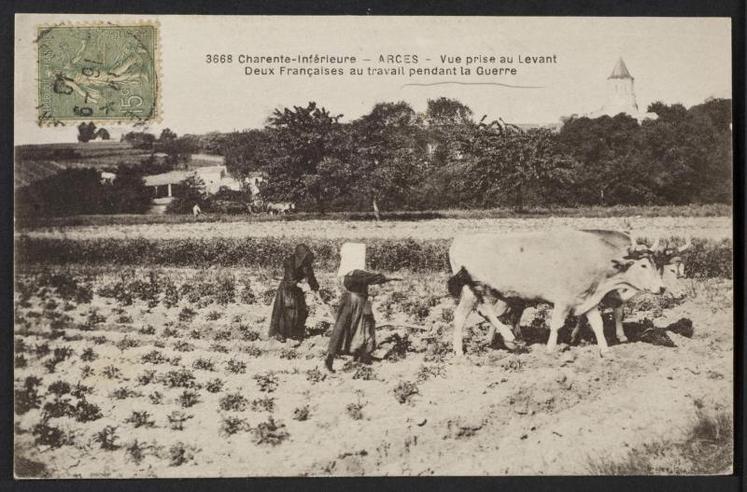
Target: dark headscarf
302,255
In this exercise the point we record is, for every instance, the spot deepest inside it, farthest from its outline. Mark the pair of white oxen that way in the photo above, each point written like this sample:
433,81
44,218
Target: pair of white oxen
574,270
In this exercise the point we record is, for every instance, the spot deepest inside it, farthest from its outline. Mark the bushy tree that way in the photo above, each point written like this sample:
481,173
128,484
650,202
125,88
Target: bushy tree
140,140
128,193
189,192
70,192
299,139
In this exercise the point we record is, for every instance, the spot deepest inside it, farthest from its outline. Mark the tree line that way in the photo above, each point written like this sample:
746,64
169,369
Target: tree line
395,158
445,158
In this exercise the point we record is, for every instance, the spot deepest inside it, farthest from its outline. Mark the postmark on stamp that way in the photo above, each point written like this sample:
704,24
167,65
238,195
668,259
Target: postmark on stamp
105,72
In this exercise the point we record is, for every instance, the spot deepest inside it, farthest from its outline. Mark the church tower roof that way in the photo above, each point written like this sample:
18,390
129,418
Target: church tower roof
620,71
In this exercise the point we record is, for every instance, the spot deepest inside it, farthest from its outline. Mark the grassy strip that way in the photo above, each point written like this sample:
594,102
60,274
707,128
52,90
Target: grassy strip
706,258
711,210
707,449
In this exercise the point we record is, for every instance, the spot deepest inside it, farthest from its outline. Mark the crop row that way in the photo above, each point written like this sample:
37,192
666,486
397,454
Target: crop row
706,258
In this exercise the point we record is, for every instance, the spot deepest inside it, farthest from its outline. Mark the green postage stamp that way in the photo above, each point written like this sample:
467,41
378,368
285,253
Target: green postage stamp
104,72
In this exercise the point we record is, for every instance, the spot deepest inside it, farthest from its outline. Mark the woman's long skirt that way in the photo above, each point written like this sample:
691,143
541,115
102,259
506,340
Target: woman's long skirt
355,327
289,312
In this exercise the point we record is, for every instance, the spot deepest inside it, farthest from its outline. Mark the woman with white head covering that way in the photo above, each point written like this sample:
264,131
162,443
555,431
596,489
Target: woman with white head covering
354,331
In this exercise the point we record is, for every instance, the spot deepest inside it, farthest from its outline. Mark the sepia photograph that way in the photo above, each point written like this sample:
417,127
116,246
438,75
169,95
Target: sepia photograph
333,246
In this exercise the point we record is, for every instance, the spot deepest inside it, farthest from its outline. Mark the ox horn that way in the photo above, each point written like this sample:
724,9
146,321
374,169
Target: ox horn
655,246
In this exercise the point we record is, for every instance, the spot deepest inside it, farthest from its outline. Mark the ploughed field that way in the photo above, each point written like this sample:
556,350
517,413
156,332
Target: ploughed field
166,372
713,228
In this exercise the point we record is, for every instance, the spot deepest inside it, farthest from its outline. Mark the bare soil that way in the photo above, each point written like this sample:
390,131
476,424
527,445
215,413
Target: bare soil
419,411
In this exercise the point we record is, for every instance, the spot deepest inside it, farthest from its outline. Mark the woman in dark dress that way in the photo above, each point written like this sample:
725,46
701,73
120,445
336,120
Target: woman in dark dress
289,311
354,331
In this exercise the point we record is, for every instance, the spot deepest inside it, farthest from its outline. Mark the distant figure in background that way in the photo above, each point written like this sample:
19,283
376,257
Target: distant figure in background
196,210
289,312
355,326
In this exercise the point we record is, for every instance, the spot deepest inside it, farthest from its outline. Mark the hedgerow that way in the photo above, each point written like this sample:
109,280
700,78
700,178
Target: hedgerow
706,258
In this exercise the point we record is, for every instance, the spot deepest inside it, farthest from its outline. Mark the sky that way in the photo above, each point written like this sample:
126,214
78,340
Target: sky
673,60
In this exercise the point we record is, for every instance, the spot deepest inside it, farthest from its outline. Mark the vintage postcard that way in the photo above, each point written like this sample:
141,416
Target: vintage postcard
372,246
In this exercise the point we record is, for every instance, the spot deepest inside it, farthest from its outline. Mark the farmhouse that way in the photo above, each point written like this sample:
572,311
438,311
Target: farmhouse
166,186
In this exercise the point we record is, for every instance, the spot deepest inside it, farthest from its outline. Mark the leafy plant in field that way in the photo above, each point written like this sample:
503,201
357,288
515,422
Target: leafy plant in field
404,391
204,364
267,382
188,398
213,316
214,385
268,296
427,372
93,318
177,420
100,340
233,402
62,353
146,377
112,372
232,425
288,353
183,346
127,343
42,350
20,346
87,412
217,347
59,407
355,410
170,294
107,438
236,366
315,375
86,371
270,432
175,361
48,435
59,388
156,398
251,350
222,335
301,413
27,397
181,378
266,404
169,332
195,334
19,362
140,419
248,334
179,454
225,289
124,392
186,315
247,294
365,373
321,328
81,390
124,319
136,451
88,355
154,357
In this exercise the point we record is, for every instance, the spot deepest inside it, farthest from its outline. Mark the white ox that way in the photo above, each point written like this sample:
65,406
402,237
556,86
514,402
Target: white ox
573,270
276,208
668,262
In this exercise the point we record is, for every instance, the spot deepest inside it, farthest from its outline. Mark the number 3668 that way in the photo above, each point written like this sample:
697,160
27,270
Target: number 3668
218,58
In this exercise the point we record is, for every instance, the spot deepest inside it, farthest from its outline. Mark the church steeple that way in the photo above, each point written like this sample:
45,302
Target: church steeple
620,71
